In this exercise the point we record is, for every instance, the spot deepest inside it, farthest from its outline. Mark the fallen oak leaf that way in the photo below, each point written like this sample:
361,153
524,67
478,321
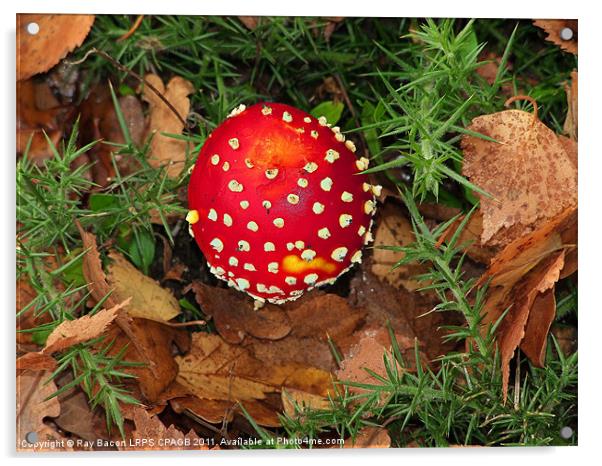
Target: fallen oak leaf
165,150
527,171
56,36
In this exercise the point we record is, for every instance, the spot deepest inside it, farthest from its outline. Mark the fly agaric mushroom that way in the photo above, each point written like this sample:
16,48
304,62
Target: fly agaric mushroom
276,202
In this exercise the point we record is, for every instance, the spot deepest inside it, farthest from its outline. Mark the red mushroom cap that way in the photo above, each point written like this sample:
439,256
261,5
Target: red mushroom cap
277,204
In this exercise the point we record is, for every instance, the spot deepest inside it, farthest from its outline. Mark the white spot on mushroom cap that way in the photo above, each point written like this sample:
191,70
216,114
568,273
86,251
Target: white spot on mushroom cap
243,283
215,159
249,163
357,257
273,267
299,244
318,208
218,271
234,144
244,246
212,215
361,230
233,261
307,119
345,220
339,254
290,246
366,187
369,207
346,196
226,166
278,222
217,244
349,144
377,190
244,204
308,255
227,220
302,182
331,155
190,231
314,134
326,184
286,116
249,267
266,110
271,173
292,199
252,226
310,167
339,137
269,246
322,121
311,278
266,204
324,233
235,186
237,111
362,164
290,281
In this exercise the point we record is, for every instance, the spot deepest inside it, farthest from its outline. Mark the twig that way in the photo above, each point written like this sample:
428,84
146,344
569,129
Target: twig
130,72
529,99
133,29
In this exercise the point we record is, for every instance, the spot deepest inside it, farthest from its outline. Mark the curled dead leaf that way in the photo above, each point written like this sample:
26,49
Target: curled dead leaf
370,437
571,123
521,283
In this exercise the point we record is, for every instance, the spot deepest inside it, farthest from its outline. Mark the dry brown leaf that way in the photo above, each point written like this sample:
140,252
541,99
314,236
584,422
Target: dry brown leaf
38,112
93,272
553,28
331,25
296,401
235,317
470,238
250,22
165,150
36,361
520,278
370,437
571,123
28,318
88,327
58,35
150,343
151,434
215,370
368,354
528,172
394,229
33,408
77,417
148,299
566,337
